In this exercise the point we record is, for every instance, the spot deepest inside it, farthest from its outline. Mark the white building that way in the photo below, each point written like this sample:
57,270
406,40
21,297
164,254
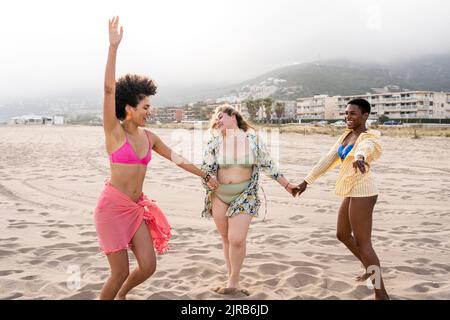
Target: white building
397,105
32,119
290,109
317,107
58,120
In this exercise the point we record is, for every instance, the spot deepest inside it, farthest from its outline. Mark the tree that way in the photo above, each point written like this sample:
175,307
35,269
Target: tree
383,118
205,113
252,108
280,107
267,103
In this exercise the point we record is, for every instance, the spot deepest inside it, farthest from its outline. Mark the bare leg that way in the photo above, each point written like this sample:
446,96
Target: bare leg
344,233
361,210
219,209
237,236
146,259
118,263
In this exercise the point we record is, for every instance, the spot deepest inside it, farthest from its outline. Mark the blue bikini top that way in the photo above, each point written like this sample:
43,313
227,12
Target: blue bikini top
344,151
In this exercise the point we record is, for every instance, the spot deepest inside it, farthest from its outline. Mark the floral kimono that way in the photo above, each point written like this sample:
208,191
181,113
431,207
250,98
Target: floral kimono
248,201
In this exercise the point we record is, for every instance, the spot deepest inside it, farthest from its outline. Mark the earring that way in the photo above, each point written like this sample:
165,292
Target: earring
128,116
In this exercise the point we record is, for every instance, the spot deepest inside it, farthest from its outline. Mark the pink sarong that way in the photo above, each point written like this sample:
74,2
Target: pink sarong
117,218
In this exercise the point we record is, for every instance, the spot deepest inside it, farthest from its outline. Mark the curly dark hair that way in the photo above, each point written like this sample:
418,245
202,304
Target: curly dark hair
130,90
363,105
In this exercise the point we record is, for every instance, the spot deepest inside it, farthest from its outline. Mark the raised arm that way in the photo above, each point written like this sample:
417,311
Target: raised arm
110,122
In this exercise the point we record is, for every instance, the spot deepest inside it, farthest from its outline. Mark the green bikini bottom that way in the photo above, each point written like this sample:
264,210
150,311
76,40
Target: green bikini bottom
228,192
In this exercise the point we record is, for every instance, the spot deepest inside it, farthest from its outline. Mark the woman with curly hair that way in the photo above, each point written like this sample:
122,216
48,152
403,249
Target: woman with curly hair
236,155
354,151
124,216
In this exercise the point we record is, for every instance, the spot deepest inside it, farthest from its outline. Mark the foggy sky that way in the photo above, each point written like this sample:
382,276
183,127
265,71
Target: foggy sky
58,46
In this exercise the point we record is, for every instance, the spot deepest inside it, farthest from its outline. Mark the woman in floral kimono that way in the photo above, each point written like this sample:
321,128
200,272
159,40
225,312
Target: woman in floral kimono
235,155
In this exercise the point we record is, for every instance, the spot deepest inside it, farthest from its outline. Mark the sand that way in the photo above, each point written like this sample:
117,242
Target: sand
50,178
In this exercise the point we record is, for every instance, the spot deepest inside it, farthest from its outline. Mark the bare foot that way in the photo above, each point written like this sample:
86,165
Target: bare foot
382,296
228,290
121,297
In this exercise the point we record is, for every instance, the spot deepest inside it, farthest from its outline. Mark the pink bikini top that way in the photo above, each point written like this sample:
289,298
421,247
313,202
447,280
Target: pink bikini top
126,155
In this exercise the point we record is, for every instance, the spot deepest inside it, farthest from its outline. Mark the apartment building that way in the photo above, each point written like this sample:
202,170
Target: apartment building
167,114
398,105
316,107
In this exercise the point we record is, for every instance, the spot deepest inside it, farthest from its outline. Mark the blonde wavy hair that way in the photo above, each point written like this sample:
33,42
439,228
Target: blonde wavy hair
242,123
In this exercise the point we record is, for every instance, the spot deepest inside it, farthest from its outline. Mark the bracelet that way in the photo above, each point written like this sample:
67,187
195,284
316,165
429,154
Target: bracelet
207,177
286,185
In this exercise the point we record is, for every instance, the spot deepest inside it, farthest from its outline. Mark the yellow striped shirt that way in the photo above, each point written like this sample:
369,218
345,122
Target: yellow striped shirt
349,183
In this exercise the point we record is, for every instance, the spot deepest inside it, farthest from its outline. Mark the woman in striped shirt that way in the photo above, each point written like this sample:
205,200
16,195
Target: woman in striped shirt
355,150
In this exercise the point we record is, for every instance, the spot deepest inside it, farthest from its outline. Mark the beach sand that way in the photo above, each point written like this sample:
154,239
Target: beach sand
51,177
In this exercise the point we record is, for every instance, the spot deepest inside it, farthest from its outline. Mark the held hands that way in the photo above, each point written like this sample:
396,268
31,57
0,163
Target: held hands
361,164
302,187
292,189
114,36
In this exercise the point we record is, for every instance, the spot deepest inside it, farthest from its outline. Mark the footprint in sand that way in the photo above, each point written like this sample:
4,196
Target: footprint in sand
296,218
61,225
192,250
89,233
50,234
31,277
272,268
308,270
300,280
9,240
88,241
19,225
86,295
8,272
422,241
421,271
13,296
94,249
425,286
431,224
362,292
335,285
63,245
381,238
277,237
400,228
52,264
328,242
420,261
35,261
25,250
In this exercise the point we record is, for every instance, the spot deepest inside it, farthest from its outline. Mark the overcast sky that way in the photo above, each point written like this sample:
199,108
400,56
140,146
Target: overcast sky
52,46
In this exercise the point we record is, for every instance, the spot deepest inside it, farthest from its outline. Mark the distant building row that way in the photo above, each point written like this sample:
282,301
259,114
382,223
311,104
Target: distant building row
397,105
35,119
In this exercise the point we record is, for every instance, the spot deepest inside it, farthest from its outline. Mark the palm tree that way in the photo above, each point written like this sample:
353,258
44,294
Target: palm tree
252,108
267,103
279,110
